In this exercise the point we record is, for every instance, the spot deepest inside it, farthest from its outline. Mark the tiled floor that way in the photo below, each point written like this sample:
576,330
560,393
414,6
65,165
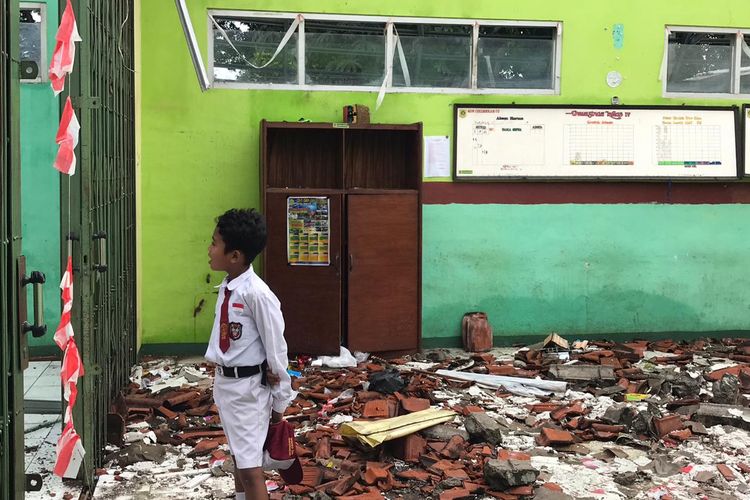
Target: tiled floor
42,383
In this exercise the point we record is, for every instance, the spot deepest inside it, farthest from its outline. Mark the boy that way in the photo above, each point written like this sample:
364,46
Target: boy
246,343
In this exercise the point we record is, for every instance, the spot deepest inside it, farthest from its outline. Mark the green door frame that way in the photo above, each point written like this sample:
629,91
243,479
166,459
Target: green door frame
11,373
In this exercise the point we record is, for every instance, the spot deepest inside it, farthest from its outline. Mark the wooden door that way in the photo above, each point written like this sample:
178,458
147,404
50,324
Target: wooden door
310,295
383,300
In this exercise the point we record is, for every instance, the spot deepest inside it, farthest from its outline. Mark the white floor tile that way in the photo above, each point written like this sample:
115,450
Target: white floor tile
44,393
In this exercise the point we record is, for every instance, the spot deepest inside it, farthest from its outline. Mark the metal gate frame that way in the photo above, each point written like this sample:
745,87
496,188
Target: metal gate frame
100,212
11,373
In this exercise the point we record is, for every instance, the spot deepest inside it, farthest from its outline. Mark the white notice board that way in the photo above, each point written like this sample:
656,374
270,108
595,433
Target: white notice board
624,142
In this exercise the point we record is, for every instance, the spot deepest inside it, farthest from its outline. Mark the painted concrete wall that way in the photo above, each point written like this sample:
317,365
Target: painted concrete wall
574,268
40,188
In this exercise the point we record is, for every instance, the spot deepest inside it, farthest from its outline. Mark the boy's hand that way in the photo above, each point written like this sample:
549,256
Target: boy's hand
276,417
271,377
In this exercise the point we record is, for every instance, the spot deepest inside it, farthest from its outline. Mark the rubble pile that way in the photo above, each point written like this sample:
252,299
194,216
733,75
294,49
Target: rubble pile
551,421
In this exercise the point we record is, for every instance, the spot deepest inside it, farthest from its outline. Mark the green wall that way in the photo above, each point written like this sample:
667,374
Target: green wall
586,269
199,156
40,190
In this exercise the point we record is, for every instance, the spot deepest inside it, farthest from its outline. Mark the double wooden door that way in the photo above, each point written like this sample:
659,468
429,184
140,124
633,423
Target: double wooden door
368,298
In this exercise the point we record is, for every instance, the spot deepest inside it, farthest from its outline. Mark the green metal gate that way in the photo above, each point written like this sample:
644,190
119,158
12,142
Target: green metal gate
101,213
11,376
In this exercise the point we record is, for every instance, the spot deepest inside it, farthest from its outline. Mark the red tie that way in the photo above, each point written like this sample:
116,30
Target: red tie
224,322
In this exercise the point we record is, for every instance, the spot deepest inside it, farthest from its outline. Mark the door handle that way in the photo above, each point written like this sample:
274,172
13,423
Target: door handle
337,264
101,264
38,328
351,262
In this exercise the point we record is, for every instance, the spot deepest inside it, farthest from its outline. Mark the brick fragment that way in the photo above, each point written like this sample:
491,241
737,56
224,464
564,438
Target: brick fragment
552,437
408,448
665,425
411,405
726,472
377,408
454,447
166,413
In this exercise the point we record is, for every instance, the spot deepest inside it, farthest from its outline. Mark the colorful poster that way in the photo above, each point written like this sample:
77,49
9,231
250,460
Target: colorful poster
308,231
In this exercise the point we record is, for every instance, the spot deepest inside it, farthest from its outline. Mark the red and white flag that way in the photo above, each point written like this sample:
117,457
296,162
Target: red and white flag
65,49
65,328
67,138
70,453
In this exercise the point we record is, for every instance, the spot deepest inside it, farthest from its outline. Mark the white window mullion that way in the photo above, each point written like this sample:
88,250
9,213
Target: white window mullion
389,46
474,55
736,69
301,52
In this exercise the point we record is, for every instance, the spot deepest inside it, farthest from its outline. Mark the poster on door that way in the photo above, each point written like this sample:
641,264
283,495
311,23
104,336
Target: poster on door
308,230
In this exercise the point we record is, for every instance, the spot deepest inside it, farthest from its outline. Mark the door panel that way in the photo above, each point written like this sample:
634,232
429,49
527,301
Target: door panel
310,295
383,272
11,376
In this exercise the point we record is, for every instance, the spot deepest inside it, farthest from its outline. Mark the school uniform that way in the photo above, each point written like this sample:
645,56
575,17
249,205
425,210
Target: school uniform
247,333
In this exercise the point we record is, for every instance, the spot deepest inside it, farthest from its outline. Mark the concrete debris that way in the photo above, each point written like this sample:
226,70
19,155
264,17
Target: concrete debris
595,419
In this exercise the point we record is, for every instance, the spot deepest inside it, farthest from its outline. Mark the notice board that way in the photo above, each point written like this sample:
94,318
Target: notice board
595,142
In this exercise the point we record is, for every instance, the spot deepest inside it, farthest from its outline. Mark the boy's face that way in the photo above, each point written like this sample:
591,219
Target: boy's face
218,259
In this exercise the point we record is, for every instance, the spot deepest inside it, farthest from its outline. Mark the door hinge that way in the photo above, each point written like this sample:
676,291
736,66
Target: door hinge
86,102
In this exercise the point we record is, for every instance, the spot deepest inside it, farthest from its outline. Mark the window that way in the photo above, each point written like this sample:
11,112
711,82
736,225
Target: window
32,42
241,44
437,56
344,53
516,57
707,61
320,51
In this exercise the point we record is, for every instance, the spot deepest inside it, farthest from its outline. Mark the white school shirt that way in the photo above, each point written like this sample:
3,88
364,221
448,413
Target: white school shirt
256,331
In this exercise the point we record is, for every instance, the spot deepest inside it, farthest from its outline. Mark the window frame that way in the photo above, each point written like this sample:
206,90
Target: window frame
43,76
735,68
301,85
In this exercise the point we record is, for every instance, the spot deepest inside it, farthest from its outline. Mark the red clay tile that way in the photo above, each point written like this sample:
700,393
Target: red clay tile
454,493
411,405
549,437
377,408
454,447
667,424
408,448
726,472
414,474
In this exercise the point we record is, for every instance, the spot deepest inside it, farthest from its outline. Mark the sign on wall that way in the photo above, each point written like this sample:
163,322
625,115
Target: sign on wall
594,142
308,231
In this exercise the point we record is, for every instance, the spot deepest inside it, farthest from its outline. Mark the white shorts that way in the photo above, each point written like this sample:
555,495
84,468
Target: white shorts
245,410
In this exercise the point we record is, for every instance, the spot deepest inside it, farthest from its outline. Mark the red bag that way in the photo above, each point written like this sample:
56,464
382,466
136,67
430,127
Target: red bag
280,453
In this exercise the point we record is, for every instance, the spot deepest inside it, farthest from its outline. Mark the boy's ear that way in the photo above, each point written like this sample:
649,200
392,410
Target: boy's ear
236,255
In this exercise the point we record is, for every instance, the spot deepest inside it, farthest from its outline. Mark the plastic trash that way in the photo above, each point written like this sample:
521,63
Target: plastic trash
387,381
343,360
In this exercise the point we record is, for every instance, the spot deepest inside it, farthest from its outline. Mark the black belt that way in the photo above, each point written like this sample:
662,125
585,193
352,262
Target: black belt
245,371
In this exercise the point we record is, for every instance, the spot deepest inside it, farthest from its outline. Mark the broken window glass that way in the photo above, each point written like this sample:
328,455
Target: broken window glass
253,43
30,39
699,62
516,57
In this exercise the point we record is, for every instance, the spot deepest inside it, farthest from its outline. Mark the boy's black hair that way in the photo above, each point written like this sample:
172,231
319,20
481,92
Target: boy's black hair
243,230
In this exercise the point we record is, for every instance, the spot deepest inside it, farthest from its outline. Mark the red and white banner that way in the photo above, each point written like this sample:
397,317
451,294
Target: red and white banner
65,329
70,450
70,453
65,49
67,139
